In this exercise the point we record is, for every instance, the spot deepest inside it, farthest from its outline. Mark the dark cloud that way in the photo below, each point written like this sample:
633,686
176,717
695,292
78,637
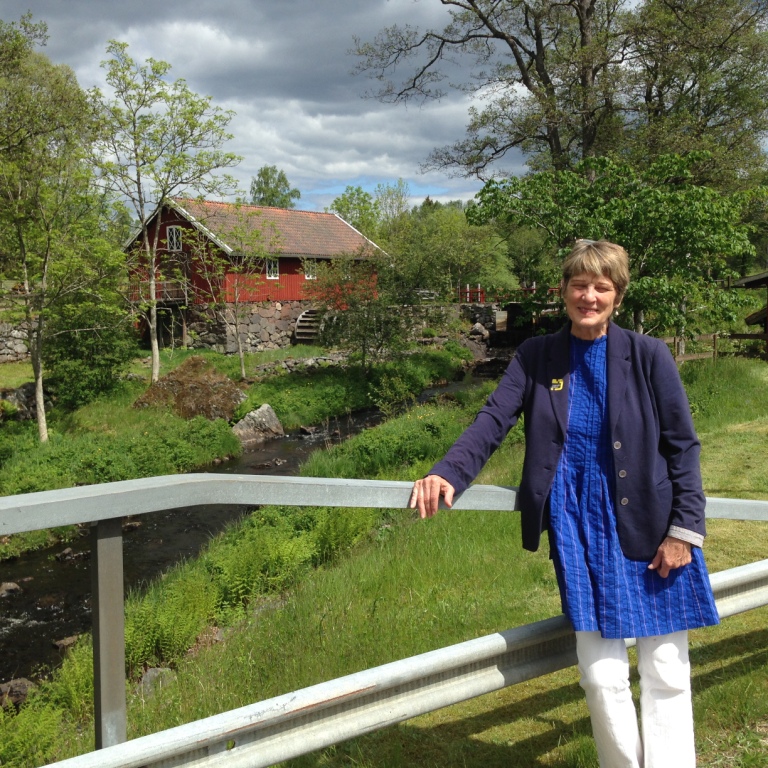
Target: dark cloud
285,69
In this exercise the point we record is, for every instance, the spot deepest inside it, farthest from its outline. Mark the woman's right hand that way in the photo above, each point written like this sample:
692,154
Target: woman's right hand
427,492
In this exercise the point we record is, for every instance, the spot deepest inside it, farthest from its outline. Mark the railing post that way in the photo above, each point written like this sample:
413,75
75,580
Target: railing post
108,632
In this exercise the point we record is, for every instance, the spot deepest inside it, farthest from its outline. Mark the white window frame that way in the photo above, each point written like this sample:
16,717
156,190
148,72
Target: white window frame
273,269
173,238
310,269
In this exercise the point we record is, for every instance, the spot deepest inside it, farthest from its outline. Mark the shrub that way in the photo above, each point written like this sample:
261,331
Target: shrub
161,626
88,347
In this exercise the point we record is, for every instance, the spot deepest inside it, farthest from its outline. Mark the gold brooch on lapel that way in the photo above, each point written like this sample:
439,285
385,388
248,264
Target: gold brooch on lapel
556,385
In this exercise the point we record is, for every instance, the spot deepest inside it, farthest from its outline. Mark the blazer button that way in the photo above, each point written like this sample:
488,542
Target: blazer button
624,501
617,445
622,473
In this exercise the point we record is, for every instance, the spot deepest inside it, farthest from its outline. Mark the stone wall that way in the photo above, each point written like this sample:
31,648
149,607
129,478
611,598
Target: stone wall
13,342
269,325
485,314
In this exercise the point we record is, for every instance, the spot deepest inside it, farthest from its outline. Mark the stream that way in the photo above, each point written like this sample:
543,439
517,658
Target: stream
55,583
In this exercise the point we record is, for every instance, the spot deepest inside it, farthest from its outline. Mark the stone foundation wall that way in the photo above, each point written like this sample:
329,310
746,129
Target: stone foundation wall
485,314
13,343
268,325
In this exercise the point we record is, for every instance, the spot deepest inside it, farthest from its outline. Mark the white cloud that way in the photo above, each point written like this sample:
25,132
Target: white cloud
284,68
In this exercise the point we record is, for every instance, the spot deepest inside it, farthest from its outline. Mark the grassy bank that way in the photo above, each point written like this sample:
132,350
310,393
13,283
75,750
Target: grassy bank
110,440
407,589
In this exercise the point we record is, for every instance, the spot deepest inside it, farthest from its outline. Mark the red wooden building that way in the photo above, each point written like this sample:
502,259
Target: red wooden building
195,235
292,241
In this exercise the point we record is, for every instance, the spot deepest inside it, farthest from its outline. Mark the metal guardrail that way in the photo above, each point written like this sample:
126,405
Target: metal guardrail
299,722
294,724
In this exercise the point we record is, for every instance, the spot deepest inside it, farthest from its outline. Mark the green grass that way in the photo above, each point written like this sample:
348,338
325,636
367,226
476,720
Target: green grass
229,365
409,588
13,375
316,396
729,400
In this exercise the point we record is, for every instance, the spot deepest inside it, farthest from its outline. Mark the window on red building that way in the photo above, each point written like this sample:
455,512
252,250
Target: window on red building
173,236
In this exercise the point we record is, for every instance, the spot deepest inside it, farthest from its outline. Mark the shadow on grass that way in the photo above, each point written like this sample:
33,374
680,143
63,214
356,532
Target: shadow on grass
456,743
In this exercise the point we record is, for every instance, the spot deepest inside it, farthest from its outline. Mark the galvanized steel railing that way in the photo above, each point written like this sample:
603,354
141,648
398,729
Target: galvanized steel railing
299,722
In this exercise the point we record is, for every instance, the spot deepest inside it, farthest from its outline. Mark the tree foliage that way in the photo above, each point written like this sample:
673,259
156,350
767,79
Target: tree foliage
55,224
90,344
563,80
358,298
435,250
160,139
270,187
358,208
681,237
23,115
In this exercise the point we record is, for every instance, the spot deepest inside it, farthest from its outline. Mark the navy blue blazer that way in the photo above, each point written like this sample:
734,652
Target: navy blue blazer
657,477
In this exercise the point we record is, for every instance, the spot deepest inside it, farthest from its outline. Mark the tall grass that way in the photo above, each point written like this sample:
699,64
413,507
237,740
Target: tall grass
728,391
729,400
313,397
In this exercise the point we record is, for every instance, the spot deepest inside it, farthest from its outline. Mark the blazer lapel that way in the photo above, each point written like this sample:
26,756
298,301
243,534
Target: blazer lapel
618,371
558,367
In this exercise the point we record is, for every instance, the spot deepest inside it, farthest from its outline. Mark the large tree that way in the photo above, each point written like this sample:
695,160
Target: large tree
563,80
358,208
435,250
698,80
160,139
270,187
22,116
54,221
683,238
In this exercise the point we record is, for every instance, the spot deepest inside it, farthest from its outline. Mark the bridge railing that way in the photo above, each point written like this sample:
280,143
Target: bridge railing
267,732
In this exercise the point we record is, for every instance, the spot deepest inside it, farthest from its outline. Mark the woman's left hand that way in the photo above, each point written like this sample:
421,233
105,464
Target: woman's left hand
672,553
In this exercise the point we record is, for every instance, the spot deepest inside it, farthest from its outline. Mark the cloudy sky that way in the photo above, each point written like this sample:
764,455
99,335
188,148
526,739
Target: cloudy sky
284,67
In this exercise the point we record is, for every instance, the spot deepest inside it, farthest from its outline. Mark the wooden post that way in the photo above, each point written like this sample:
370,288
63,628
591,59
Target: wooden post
714,346
108,632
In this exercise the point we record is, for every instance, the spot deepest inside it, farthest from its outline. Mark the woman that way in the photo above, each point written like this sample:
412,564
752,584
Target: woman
611,472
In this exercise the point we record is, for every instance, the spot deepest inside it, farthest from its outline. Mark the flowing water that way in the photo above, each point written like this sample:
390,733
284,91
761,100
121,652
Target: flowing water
54,602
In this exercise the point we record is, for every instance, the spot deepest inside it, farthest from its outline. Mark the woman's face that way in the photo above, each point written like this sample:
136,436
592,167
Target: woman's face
590,301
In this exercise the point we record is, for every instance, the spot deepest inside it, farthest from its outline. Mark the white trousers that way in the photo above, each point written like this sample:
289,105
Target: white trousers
665,701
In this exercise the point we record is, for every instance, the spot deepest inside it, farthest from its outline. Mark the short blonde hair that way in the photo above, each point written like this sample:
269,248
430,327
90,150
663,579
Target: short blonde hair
598,257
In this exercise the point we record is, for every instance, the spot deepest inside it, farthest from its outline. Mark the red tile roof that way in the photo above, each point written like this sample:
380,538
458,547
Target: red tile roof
306,234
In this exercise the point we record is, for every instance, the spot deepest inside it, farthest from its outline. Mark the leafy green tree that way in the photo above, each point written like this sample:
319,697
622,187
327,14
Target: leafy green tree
90,344
393,203
271,187
358,208
357,297
54,222
564,80
160,139
681,237
698,81
435,249
530,256
23,116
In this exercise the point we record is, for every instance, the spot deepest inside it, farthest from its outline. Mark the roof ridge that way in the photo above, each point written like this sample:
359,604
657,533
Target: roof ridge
227,204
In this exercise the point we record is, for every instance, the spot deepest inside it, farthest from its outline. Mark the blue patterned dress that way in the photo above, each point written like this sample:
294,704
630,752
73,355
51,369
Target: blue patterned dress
601,589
